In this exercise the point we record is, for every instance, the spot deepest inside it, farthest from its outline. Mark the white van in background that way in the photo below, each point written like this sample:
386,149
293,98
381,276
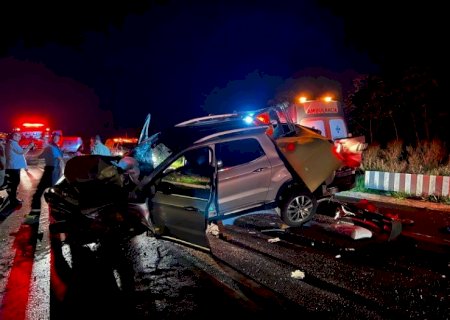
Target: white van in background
71,146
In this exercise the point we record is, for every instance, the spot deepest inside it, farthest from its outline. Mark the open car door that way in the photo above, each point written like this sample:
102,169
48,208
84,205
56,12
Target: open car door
312,156
184,194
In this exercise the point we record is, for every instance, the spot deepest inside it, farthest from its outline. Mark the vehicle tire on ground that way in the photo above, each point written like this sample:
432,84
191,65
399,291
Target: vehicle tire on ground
297,208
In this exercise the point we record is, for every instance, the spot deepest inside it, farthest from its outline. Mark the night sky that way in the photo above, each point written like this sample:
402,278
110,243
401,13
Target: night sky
88,68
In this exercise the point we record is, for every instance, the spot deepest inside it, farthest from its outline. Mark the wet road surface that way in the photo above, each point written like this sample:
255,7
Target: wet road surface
158,280
249,272
344,278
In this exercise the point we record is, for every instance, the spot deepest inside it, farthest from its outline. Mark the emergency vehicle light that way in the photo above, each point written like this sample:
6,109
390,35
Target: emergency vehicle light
32,125
248,119
126,140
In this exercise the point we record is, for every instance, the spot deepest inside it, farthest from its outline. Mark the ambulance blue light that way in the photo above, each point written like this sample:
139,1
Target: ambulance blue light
248,119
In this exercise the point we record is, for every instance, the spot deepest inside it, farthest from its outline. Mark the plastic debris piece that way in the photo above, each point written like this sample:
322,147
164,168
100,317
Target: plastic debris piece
92,246
354,232
338,256
284,226
274,240
213,229
297,274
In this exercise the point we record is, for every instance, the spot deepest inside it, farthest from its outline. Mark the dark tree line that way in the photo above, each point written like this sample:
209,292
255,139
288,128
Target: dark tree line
407,107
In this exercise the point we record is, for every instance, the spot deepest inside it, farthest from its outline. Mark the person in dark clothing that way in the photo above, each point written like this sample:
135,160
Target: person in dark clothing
15,161
54,164
2,164
2,170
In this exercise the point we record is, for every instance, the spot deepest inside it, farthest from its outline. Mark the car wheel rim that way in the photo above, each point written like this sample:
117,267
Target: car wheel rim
299,208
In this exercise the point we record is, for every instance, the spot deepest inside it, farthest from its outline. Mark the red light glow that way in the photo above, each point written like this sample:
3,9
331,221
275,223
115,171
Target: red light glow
31,121
263,118
290,146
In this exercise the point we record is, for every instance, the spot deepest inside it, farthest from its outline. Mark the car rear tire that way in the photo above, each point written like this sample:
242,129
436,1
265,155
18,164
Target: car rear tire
298,208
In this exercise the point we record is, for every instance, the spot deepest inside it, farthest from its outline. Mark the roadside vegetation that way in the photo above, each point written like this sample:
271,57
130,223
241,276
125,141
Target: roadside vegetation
430,158
401,116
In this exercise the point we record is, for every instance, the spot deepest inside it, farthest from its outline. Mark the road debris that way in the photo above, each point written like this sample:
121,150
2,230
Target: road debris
273,240
213,229
297,274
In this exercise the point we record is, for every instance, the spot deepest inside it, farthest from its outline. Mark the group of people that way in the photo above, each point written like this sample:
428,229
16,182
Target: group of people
12,161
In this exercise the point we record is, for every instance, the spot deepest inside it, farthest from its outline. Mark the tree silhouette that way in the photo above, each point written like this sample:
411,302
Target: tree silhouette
399,107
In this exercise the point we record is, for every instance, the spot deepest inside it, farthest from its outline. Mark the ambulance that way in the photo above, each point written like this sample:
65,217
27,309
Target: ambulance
40,135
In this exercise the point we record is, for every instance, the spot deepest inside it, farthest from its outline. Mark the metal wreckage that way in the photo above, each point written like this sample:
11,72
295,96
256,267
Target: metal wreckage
179,182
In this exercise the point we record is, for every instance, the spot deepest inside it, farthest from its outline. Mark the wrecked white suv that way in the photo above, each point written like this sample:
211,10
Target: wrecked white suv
218,167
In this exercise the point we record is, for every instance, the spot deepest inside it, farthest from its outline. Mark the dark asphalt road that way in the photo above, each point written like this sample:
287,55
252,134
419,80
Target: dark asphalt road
245,274
166,281
344,278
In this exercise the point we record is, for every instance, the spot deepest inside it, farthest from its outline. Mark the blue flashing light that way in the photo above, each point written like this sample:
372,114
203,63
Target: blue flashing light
248,119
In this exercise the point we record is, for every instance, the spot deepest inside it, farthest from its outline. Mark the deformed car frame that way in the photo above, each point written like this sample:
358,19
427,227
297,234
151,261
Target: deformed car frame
216,167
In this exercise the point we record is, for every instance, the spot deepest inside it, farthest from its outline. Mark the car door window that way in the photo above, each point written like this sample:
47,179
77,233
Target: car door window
189,175
244,174
234,153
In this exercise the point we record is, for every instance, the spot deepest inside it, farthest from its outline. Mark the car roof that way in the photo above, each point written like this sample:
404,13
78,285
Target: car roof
191,132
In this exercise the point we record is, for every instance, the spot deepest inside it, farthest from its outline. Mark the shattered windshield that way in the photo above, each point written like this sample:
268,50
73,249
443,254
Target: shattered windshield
151,153
160,153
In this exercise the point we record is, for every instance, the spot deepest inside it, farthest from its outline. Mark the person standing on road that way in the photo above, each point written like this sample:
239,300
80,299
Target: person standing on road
97,147
2,163
54,165
15,161
2,170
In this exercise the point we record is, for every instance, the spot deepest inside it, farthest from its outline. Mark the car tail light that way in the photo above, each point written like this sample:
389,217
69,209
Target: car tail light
349,152
290,146
337,150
